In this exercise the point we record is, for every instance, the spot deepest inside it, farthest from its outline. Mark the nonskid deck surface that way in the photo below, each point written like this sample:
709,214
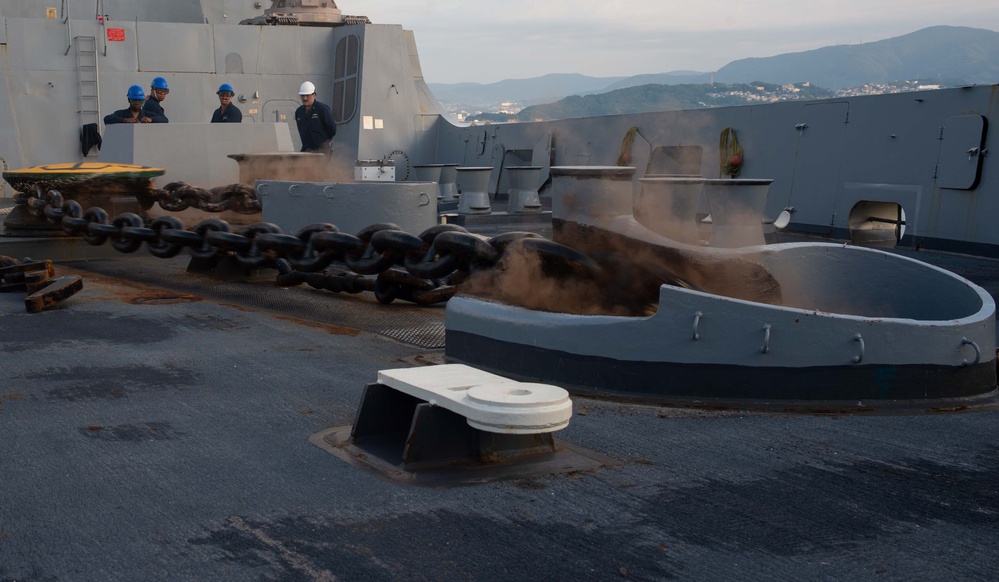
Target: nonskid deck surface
421,326
154,434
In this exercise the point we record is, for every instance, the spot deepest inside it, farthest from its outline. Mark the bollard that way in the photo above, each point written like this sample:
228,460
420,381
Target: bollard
591,194
668,206
474,183
447,184
430,173
737,208
523,193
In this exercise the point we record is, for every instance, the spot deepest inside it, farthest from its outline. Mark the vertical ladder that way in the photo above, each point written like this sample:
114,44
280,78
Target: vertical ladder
89,76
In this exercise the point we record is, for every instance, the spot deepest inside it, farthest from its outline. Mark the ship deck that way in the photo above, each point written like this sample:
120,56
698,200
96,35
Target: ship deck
156,427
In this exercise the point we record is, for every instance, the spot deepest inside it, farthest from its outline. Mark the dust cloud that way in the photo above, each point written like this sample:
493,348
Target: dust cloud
295,167
523,278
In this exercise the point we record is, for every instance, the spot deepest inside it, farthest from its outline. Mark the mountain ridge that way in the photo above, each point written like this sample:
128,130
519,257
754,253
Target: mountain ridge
960,54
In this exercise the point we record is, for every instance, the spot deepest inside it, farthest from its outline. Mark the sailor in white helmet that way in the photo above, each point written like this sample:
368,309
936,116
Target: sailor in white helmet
315,121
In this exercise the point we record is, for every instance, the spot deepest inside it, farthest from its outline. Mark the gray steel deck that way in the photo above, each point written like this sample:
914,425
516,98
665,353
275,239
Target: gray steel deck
157,433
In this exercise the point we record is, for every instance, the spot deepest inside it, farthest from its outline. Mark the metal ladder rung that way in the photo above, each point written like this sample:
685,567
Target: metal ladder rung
88,71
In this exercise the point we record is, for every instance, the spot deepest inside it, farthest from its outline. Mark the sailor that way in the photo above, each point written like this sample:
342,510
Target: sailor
227,112
315,121
153,107
134,112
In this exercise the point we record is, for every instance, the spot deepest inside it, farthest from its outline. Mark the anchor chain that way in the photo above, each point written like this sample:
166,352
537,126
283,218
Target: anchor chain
382,258
177,196
174,197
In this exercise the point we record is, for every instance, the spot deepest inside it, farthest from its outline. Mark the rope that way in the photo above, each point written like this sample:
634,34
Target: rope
730,153
624,158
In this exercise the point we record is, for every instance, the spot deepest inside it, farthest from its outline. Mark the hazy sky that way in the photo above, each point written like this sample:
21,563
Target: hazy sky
486,41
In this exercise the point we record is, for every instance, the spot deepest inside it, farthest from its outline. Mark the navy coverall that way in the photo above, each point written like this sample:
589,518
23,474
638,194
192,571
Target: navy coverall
153,110
231,114
316,128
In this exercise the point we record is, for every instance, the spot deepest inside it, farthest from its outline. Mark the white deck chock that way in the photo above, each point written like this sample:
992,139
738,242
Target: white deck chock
455,414
489,402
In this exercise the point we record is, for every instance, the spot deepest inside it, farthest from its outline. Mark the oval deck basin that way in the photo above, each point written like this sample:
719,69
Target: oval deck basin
870,340
796,325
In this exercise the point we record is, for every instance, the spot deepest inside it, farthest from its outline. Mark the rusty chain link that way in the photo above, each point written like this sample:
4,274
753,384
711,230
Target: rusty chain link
382,259
174,197
177,196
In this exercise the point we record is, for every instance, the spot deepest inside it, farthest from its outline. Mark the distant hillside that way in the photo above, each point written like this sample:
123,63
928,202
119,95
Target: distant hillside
959,54
648,98
536,90
673,78
939,51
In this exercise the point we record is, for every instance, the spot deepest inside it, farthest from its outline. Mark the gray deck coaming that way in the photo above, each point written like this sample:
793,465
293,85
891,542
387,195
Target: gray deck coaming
677,383
730,332
199,472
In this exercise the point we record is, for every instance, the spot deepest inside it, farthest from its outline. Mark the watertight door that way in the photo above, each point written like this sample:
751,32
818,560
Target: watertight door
818,159
961,141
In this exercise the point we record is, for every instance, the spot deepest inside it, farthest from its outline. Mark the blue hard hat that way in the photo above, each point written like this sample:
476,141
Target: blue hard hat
225,87
160,83
136,92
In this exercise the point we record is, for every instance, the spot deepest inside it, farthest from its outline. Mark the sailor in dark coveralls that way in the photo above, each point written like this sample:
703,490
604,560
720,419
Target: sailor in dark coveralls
315,121
153,108
134,112
227,112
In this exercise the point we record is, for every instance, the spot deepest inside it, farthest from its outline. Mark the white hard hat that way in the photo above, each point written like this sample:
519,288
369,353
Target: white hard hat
307,88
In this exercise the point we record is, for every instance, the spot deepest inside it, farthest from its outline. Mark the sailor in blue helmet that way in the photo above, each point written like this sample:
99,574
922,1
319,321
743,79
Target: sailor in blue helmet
315,121
154,104
134,112
227,112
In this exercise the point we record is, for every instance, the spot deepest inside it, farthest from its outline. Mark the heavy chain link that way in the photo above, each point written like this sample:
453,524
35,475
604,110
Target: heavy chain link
177,196
393,264
174,197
